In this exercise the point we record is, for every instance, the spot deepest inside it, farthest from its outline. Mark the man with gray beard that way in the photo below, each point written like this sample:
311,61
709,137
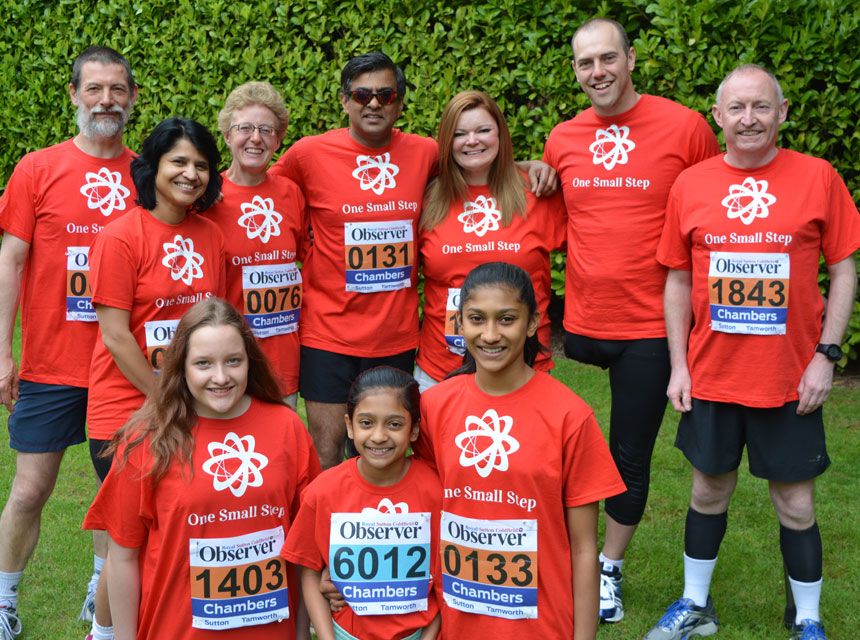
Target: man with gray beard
55,203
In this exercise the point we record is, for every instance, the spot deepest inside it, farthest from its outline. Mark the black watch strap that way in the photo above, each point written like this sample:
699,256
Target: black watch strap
832,351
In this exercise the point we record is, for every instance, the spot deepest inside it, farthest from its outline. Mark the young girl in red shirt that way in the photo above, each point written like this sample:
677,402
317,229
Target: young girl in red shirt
523,465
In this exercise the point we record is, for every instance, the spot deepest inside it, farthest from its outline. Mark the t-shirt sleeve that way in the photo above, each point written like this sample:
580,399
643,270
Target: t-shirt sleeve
307,465
300,546
423,446
17,206
113,271
288,166
549,152
556,216
841,236
674,248
589,472
703,142
117,508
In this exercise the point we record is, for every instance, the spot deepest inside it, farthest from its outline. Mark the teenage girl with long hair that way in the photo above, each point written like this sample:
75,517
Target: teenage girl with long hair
205,483
523,465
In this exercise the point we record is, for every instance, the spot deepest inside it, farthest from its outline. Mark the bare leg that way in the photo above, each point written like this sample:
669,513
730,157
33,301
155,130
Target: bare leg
618,537
325,422
35,476
103,616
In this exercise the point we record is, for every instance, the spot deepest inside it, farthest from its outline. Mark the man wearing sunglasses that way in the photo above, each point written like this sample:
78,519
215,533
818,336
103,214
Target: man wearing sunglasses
617,161
364,185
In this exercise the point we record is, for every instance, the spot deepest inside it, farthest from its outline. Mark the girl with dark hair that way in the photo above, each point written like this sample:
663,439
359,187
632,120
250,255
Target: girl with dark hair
478,209
523,465
372,521
205,484
146,269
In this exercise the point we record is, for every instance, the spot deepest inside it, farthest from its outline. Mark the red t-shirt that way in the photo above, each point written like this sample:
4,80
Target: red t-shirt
509,466
616,174
57,200
209,542
156,271
359,279
263,228
470,236
752,239
347,524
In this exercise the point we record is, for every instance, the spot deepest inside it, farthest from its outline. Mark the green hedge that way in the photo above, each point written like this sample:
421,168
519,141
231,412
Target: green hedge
188,55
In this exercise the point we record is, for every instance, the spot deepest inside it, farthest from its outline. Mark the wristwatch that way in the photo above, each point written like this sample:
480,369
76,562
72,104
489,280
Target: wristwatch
832,351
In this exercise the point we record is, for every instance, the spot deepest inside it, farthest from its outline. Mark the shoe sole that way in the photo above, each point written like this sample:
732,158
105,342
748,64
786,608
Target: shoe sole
708,629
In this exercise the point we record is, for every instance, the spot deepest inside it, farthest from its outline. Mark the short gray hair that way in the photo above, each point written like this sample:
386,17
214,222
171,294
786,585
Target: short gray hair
744,68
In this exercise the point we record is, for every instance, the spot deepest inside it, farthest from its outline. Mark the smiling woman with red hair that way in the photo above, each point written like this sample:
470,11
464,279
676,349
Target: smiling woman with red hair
478,209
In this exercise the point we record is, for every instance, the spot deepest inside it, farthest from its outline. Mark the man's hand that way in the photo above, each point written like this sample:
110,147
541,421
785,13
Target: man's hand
815,384
8,383
330,592
543,180
679,389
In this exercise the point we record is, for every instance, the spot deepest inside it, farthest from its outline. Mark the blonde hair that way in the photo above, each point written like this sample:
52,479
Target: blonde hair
252,93
507,184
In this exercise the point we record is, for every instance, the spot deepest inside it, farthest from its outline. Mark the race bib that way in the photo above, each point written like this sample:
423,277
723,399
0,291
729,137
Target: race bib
272,295
379,255
453,333
490,566
79,305
381,562
159,333
748,292
238,582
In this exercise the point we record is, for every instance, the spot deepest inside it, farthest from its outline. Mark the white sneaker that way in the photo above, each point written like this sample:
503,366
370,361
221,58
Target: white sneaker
611,607
10,625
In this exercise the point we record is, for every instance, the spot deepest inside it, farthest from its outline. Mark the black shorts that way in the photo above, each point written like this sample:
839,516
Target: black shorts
781,445
325,376
47,417
100,464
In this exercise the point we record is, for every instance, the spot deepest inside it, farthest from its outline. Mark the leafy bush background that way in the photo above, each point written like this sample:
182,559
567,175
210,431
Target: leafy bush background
187,55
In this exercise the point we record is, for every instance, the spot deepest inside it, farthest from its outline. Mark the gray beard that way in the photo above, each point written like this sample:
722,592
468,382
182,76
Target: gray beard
94,129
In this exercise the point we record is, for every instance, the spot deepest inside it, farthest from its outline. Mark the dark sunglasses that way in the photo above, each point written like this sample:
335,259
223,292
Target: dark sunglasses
364,96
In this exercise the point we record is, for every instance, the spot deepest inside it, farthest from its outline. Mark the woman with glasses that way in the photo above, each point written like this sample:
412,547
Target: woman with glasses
478,209
264,222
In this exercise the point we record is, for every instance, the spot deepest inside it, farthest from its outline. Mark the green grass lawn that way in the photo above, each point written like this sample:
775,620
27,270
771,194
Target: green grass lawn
747,586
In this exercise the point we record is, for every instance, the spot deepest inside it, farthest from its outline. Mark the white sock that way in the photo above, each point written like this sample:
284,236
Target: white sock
807,595
697,579
9,588
98,564
609,561
101,633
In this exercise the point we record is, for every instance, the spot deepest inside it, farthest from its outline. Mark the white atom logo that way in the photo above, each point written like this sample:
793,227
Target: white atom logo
385,506
480,216
608,155
376,173
260,219
104,191
246,467
757,200
180,258
492,432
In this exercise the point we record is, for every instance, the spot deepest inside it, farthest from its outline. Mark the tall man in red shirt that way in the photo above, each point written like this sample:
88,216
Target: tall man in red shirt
752,361
56,201
617,161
